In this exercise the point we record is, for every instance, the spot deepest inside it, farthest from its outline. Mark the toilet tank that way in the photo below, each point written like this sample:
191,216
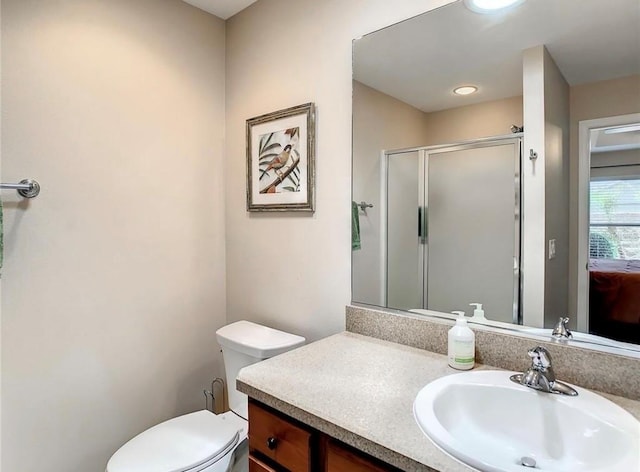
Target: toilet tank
244,343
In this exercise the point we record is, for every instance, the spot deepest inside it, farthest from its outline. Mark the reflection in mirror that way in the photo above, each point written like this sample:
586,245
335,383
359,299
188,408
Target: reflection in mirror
523,195
466,196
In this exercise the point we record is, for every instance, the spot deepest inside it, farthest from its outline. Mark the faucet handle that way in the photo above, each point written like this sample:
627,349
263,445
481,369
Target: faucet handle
540,359
540,375
561,331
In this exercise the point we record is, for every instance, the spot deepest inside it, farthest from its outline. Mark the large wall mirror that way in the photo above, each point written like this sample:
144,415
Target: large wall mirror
496,161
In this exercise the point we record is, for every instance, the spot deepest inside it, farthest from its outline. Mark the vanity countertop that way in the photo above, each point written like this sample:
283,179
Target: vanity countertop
360,390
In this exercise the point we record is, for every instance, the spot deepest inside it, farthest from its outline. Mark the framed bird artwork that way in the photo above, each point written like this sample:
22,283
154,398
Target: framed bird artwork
281,160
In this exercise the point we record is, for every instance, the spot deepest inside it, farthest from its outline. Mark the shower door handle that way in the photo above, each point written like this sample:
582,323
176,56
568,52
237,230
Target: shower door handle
422,224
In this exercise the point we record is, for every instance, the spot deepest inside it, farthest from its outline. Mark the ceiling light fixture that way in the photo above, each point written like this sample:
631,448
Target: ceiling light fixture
465,90
491,6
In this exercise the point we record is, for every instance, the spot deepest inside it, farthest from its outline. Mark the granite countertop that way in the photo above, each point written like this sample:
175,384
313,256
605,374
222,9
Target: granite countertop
360,390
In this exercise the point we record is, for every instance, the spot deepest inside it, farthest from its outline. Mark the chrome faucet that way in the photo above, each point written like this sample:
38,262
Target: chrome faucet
540,375
561,332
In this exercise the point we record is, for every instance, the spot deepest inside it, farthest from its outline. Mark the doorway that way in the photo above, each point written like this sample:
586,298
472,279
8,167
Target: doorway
609,227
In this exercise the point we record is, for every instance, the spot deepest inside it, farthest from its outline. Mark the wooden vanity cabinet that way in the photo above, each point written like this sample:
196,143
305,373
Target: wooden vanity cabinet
278,443
278,439
342,458
256,465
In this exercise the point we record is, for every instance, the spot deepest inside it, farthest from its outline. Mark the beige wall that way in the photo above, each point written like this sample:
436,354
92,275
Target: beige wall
380,122
587,102
1,180
294,271
114,282
615,164
474,121
556,160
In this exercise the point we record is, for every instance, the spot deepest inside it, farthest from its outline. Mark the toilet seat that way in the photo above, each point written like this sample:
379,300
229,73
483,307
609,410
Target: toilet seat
188,443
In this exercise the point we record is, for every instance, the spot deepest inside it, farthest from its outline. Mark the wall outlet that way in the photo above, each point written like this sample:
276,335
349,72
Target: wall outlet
552,249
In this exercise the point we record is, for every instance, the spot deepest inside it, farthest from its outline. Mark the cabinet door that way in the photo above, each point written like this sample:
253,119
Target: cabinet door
278,439
255,465
342,459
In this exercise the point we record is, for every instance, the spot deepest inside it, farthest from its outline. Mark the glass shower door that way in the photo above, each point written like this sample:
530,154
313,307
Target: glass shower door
404,251
474,228
453,228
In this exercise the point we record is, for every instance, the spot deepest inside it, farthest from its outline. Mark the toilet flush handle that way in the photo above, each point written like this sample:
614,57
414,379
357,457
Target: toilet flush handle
272,443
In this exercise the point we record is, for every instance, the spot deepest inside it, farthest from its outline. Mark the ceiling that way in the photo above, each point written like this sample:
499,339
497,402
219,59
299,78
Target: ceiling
421,60
221,8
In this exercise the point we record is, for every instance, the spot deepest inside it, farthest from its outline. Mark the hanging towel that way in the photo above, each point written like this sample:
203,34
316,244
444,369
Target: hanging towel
355,227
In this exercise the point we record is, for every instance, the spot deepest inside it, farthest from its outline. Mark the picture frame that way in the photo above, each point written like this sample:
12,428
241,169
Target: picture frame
281,160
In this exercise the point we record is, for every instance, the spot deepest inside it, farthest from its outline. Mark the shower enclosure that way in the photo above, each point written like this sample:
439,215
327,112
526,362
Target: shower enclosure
453,227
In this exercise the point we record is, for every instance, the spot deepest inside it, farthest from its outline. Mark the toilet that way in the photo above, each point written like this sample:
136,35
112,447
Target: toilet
203,441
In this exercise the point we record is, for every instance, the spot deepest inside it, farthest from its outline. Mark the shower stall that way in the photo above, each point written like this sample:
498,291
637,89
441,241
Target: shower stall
453,218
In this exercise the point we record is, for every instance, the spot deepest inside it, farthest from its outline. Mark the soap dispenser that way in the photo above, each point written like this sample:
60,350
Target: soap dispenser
462,344
478,313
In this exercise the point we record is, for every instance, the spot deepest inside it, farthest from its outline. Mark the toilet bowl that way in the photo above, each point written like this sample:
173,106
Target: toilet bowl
203,441
197,442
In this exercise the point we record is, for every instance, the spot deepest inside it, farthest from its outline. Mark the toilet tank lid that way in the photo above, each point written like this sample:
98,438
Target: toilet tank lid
256,340
177,445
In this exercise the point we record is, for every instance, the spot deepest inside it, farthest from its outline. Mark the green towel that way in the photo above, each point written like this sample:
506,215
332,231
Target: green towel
355,227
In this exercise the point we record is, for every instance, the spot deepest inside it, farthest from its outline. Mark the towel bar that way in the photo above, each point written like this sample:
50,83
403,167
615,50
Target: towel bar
27,188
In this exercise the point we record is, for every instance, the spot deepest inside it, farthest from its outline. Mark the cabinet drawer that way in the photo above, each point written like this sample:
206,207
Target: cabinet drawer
256,465
343,459
278,439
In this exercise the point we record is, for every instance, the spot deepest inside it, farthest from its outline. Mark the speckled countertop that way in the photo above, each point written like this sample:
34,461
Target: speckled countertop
360,390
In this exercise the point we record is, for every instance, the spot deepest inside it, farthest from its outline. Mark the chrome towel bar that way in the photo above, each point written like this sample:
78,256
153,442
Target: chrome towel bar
27,188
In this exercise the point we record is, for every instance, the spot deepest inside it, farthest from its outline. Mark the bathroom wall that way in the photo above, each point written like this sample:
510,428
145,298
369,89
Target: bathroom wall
469,122
1,180
628,157
533,188
114,283
615,163
587,102
293,270
545,183
556,161
380,122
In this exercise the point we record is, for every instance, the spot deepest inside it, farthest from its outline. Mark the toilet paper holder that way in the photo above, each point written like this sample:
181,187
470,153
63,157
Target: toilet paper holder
209,394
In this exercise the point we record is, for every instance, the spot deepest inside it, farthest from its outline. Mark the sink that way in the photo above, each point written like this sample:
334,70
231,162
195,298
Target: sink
494,425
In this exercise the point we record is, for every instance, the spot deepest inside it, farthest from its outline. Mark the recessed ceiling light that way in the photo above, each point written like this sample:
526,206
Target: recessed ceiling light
490,6
466,90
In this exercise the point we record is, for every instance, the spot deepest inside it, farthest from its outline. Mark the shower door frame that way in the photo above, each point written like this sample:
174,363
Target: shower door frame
423,169
384,218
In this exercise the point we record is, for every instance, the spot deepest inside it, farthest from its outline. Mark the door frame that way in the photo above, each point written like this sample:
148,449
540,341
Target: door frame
584,177
384,218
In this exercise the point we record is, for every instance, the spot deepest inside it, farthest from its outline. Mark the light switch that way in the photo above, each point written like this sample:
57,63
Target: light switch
552,249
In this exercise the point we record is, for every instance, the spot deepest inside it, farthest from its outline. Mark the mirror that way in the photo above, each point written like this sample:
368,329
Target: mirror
522,196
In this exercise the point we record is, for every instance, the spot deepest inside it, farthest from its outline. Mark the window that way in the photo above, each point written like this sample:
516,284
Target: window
614,219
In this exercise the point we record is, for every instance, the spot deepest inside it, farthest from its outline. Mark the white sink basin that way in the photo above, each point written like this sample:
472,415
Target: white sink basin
491,424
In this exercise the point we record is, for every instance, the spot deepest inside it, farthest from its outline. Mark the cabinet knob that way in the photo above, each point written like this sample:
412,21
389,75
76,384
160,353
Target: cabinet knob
272,443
